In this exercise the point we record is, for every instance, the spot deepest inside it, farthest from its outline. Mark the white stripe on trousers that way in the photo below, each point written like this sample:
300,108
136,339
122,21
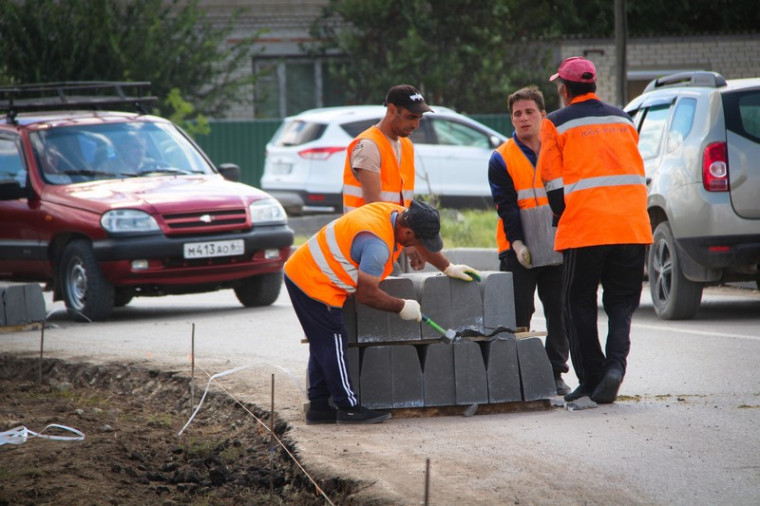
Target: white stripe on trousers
340,358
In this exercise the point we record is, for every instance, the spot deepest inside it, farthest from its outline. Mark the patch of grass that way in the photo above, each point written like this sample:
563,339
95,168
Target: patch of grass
199,448
748,406
468,228
161,421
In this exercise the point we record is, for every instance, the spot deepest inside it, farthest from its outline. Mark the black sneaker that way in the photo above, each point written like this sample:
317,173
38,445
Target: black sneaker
607,389
576,394
360,414
321,414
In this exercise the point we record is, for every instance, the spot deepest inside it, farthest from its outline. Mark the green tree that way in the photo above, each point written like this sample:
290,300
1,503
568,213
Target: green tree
469,54
596,18
460,53
171,44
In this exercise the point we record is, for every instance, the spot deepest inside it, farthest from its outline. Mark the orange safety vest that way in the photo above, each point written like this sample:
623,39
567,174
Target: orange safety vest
595,158
527,181
323,268
396,181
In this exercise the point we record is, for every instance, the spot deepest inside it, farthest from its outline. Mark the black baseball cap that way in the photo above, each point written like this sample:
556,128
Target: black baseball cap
425,221
408,97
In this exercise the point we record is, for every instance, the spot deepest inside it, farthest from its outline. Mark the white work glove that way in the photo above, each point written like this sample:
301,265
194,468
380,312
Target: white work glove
522,253
411,310
461,271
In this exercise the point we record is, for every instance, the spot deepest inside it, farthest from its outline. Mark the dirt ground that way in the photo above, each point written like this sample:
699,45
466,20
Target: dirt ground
131,453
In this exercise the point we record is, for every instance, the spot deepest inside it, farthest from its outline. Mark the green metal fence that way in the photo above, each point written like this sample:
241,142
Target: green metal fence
240,142
244,142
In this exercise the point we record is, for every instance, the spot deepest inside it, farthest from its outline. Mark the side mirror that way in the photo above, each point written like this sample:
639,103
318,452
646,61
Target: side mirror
229,171
11,190
495,142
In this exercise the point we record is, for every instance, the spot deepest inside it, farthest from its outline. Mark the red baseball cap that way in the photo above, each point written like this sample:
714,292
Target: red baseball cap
576,69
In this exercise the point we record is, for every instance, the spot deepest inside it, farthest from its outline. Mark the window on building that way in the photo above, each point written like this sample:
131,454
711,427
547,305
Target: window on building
289,86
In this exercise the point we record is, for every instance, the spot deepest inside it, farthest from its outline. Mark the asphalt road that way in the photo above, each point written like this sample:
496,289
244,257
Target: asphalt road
685,430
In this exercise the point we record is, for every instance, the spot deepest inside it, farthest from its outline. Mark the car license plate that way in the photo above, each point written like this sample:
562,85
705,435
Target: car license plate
281,168
214,249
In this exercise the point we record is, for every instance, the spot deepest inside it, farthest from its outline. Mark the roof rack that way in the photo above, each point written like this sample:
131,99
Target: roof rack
694,78
88,95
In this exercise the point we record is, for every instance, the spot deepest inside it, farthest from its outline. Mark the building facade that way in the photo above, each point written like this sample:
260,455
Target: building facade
292,80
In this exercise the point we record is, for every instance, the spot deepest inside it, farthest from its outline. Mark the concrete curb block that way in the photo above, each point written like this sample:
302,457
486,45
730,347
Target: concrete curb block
22,303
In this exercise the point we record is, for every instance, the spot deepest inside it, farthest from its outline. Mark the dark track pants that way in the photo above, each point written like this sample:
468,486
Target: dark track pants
620,270
325,330
548,280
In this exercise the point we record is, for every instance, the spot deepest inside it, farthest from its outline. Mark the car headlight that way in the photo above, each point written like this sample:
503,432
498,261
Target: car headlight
129,221
267,211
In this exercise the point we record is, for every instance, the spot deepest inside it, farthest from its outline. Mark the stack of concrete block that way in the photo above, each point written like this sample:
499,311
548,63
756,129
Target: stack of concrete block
21,304
395,363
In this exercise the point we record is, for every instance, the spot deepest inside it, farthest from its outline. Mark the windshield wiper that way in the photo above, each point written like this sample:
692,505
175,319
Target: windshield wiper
163,170
86,172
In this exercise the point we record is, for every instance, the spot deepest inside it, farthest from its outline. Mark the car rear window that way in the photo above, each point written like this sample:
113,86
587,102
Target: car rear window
356,127
743,113
297,132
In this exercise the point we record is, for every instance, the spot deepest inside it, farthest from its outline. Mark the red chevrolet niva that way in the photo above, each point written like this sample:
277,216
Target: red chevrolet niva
103,206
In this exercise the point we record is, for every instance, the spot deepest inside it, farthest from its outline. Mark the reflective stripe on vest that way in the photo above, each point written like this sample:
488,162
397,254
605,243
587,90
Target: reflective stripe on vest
605,181
593,120
531,193
323,264
392,197
554,184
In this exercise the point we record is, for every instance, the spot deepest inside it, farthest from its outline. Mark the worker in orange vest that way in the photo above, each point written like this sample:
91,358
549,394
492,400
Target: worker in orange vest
379,163
594,177
351,255
524,233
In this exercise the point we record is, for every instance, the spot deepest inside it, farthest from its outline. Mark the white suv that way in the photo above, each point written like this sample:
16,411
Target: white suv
699,136
305,158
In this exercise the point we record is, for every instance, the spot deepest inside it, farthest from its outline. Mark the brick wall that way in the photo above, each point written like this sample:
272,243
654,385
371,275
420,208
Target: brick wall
734,56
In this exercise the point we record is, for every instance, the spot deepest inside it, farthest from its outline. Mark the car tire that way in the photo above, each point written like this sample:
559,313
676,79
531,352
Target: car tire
261,290
122,297
86,292
673,296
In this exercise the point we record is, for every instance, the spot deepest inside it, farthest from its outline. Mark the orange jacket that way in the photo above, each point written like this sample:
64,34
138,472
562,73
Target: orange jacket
323,268
397,181
589,151
528,184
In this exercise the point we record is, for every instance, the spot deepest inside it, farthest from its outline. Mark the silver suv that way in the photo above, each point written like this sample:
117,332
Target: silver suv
699,136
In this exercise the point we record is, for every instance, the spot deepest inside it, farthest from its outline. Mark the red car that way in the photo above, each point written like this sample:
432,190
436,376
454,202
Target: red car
103,206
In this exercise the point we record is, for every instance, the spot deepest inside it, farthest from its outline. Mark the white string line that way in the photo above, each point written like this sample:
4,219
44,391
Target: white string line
259,421
19,435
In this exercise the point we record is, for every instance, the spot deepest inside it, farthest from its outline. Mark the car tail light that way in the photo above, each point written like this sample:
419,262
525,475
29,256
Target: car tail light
715,167
320,153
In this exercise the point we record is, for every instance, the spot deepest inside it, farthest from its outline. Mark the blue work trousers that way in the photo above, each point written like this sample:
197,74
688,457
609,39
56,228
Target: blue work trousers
324,328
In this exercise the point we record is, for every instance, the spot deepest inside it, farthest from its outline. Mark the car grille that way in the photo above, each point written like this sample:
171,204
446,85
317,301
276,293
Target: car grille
206,221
